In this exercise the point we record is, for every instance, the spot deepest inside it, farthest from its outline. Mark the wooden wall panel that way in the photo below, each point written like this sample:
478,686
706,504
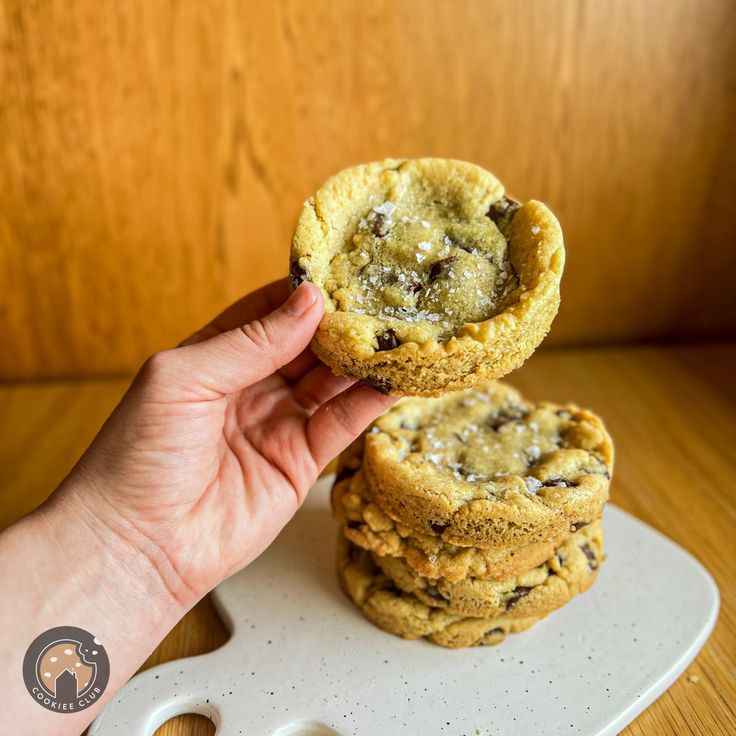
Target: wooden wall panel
154,154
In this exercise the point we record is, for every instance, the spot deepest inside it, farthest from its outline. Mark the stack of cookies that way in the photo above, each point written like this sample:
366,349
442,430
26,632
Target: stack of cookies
473,513
471,516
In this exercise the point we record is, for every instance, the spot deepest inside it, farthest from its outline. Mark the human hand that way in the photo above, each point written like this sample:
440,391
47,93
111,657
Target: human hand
216,443
207,456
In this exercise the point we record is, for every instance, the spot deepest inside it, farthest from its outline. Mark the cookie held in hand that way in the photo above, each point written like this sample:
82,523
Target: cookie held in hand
433,280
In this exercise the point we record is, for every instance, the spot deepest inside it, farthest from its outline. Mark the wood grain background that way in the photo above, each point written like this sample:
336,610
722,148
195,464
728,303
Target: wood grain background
154,154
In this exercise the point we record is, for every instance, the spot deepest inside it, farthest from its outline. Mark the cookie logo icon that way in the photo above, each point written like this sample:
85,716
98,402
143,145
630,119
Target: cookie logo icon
66,669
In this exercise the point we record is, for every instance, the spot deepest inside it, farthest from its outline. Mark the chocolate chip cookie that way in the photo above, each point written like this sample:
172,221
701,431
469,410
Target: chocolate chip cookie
487,468
366,525
433,280
403,614
572,569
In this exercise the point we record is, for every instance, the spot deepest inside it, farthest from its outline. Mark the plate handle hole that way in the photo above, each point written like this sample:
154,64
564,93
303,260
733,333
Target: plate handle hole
305,728
189,724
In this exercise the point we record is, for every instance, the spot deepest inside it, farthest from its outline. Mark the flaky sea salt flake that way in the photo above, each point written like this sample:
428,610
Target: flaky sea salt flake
534,452
385,209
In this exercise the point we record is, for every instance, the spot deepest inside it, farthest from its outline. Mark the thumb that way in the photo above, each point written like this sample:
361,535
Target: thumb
241,357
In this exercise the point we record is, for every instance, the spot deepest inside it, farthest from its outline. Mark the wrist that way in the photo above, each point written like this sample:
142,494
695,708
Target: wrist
109,559
62,566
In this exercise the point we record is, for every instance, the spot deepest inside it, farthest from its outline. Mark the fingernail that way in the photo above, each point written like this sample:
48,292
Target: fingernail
301,300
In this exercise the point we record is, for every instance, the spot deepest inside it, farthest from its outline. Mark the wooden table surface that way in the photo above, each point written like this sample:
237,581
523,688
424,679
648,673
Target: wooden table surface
671,411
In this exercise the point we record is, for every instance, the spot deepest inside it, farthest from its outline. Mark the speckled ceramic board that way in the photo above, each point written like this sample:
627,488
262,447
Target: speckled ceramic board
302,660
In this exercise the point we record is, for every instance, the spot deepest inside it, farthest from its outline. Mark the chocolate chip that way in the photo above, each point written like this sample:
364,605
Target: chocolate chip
297,274
496,422
558,483
441,267
518,592
502,212
344,472
504,416
437,528
590,554
380,384
578,525
387,340
378,225
413,287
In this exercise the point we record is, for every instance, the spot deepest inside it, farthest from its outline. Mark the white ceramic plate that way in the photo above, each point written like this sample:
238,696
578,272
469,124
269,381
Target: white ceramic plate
302,660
